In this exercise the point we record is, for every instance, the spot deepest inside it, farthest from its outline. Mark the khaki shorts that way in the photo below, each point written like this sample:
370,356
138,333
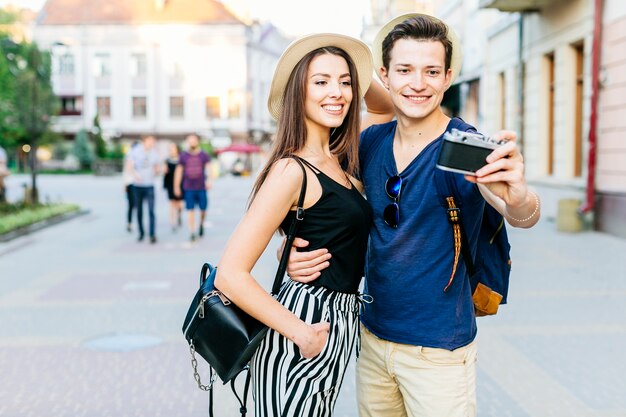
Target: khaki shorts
409,381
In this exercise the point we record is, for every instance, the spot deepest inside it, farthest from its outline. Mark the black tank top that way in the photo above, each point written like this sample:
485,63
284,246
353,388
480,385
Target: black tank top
339,221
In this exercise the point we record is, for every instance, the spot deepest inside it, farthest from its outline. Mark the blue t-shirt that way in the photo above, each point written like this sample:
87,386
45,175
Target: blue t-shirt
145,163
408,267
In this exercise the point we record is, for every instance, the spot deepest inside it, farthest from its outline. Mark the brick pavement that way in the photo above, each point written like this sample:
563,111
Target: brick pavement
90,319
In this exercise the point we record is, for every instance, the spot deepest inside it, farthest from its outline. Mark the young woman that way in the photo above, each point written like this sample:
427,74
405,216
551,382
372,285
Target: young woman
176,202
315,95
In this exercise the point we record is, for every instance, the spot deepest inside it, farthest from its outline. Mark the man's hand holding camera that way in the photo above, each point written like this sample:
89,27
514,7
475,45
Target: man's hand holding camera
501,182
503,177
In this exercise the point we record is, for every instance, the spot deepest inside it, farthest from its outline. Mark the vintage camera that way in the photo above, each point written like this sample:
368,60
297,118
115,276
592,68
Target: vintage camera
465,152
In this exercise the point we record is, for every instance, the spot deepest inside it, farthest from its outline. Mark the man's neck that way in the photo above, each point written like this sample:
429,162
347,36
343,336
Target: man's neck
411,131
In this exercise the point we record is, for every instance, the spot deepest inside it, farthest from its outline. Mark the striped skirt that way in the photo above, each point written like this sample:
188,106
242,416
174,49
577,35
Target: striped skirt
284,383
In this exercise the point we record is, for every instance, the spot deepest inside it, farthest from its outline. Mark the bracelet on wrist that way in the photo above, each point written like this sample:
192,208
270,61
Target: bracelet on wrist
533,214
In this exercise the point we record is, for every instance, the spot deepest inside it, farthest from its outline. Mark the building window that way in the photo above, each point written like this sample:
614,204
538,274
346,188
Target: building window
549,63
472,102
177,72
139,107
66,64
212,107
234,104
578,112
71,106
138,65
102,65
176,76
502,101
177,107
103,106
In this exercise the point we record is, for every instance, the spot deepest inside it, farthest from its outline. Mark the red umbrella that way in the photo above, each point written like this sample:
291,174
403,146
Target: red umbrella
241,147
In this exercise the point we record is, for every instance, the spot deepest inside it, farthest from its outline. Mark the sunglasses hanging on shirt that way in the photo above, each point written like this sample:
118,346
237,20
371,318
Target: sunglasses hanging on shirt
391,215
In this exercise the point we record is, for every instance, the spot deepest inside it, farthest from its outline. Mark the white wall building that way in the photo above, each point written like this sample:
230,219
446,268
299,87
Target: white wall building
381,11
528,67
164,67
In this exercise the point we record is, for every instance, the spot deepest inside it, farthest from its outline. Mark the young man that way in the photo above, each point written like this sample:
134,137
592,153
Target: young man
194,170
144,165
418,355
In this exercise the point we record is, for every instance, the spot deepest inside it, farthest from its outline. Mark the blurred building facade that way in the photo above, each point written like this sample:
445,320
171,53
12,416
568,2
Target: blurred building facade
529,66
381,11
162,67
20,28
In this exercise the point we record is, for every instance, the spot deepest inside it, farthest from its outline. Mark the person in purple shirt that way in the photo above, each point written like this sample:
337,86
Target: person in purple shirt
194,171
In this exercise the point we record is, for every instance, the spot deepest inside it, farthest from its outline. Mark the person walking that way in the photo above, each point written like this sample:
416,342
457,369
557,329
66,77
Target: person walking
4,172
175,201
144,165
194,172
418,355
315,95
129,189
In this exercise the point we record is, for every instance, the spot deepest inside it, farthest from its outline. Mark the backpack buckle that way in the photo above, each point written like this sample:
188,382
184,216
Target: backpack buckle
454,215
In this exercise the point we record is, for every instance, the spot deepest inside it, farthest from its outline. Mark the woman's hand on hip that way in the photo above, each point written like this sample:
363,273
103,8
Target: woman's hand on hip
312,343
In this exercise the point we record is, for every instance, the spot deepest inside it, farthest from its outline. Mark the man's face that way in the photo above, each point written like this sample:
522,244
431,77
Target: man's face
148,142
192,141
416,77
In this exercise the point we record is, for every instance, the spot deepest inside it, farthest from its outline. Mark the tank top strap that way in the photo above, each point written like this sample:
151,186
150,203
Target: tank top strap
308,164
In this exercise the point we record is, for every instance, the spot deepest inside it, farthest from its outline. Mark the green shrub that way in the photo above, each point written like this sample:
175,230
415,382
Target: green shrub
83,149
14,216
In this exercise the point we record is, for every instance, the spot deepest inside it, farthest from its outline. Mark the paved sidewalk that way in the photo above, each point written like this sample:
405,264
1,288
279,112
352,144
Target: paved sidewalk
90,319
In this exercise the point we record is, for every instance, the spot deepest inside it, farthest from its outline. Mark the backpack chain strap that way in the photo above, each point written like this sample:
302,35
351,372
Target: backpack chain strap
196,374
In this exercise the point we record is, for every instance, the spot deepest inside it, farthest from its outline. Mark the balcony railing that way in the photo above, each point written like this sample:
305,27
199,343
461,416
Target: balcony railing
68,112
516,5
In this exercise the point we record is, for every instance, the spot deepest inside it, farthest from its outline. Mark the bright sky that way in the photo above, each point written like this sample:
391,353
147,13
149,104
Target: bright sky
294,17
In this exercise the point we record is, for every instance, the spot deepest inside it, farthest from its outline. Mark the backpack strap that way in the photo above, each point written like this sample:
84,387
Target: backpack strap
446,192
243,410
291,233
242,401
458,123
211,392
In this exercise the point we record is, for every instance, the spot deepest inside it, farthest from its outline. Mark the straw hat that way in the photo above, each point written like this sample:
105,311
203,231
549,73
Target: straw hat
377,46
357,50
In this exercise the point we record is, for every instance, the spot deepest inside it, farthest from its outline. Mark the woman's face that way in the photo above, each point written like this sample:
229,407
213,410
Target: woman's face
328,91
173,150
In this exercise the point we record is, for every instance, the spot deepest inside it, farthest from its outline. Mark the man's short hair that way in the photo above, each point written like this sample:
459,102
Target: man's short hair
420,28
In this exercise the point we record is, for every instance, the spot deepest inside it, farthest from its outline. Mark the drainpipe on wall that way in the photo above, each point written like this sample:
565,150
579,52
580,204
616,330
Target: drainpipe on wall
520,81
588,206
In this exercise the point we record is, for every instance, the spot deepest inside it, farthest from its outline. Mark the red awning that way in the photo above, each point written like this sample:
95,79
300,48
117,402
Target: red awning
241,147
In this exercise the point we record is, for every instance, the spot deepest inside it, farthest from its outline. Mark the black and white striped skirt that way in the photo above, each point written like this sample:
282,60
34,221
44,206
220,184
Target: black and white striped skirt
284,383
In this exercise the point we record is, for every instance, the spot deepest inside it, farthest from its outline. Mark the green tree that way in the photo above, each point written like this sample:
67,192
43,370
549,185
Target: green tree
83,149
10,130
34,99
118,152
6,17
98,140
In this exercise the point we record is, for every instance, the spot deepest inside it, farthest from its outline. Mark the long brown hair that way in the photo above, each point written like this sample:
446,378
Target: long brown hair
292,134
